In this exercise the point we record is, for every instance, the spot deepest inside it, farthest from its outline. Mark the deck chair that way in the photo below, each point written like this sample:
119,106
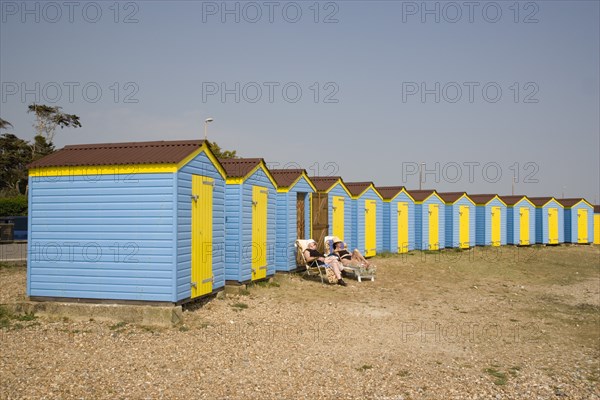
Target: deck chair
358,272
300,246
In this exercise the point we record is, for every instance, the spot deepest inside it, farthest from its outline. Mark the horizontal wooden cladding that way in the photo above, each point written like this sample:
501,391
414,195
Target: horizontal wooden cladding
96,239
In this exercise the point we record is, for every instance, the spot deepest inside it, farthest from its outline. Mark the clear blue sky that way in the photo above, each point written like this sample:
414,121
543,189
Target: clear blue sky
396,87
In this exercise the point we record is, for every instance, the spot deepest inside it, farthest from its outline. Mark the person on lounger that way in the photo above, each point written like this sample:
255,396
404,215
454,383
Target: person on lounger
312,255
354,259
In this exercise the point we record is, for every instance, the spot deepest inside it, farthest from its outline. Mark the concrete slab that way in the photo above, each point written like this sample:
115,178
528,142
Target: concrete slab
164,316
235,289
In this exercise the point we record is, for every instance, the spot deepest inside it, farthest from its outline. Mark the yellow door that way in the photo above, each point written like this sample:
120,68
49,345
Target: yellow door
402,227
524,226
370,228
434,241
338,217
202,199
496,220
463,227
582,225
259,232
553,225
596,228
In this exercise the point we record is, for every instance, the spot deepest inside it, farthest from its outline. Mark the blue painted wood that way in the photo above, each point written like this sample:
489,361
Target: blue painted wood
354,241
387,216
393,222
200,165
358,221
452,223
541,222
109,237
238,227
571,223
422,223
286,225
338,190
513,222
483,224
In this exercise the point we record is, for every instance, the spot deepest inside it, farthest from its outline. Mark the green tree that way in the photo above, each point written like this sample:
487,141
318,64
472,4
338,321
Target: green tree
49,118
41,148
15,154
216,149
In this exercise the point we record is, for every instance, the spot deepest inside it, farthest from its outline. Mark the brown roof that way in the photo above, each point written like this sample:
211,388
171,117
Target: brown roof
482,198
420,195
597,209
323,183
512,200
540,201
239,167
356,188
158,152
286,177
389,192
569,202
451,197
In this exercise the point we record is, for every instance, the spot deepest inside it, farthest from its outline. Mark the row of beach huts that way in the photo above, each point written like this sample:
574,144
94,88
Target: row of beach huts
168,222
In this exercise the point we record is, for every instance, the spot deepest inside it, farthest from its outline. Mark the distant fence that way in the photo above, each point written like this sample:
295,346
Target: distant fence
13,252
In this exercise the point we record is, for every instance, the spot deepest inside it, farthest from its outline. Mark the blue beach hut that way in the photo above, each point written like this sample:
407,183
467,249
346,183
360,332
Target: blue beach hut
331,209
490,220
549,220
398,219
520,220
430,217
367,217
294,190
460,220
579,221
250,217
137,221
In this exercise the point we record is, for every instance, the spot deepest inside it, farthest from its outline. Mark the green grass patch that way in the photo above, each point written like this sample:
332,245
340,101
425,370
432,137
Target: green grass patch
239,306
266,284
5,265
117,326
7,319
513,371
501,377
25,317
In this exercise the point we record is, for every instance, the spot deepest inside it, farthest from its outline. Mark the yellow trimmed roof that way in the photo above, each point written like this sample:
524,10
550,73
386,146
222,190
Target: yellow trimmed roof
287,178
542,201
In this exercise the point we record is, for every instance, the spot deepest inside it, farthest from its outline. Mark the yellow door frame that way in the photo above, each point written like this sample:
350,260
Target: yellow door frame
370,228
463,227
582,225
496,218
434,230
201,238
338,216
552,225
402,227
524,226
260,199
